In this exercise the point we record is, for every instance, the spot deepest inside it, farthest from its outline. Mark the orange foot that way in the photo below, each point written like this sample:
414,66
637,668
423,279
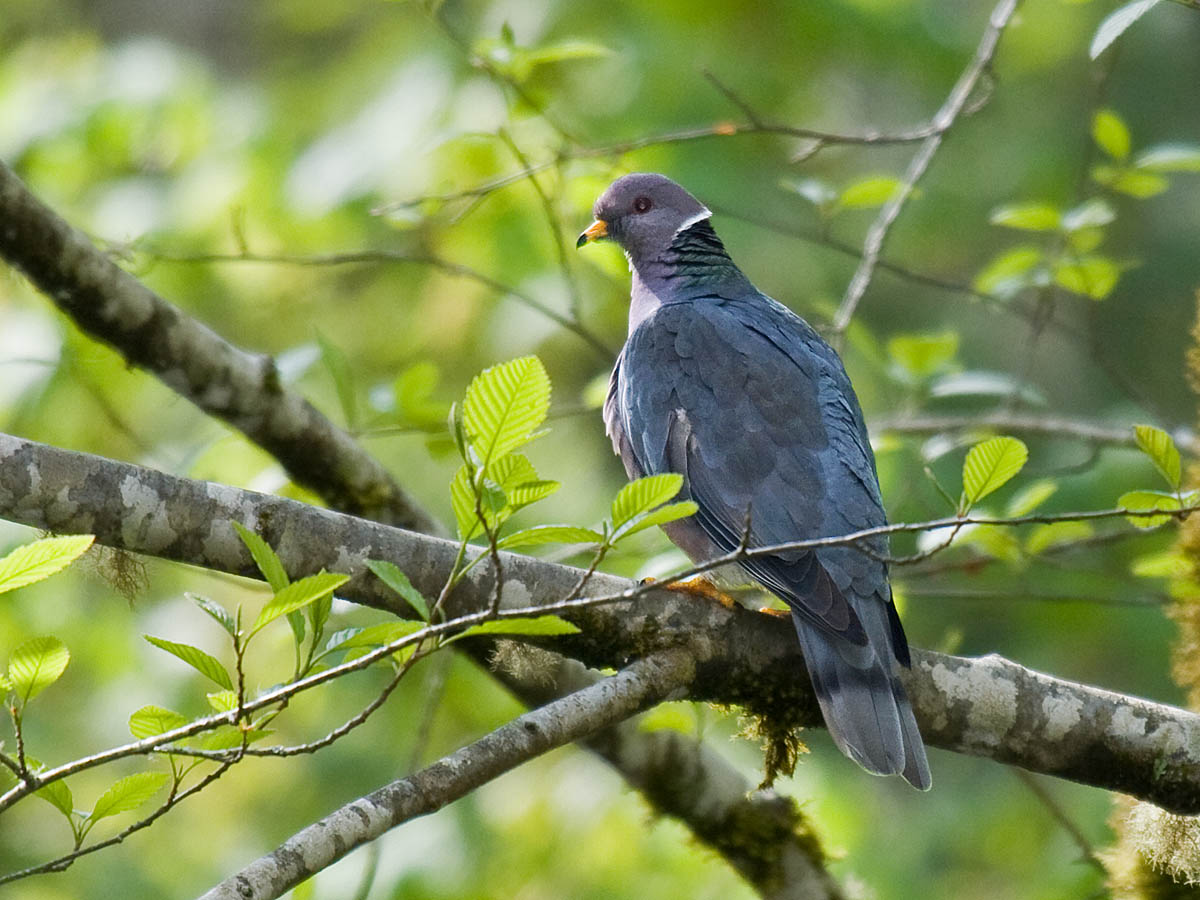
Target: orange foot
699,586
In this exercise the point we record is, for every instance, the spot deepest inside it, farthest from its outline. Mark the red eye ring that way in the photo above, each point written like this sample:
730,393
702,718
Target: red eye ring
642,204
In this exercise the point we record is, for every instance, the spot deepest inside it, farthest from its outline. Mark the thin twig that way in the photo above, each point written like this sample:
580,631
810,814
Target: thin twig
945,118
1060,816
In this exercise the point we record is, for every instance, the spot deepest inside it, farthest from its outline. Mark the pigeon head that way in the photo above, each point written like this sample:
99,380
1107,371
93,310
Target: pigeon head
643,213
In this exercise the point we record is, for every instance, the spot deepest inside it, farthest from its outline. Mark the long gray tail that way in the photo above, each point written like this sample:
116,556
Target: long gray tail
864,703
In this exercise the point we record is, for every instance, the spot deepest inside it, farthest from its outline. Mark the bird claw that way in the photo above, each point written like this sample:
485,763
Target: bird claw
699,586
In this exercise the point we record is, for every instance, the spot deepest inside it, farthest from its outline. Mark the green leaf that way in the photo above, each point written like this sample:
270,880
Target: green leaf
373,635
208,666
1115,24
995,541
297,595
1169,158
1163,564
265,558
550,534
922,355
1111,134
1027,216
413,390
128,793
150,721
1052,534
867,193
676,715
391,575
58,795
661,516
989,465
343,379
1009,272
39,560
1148,500
216,610
462,501
1092,276
1129,181
539,626
318,613
35,665
643,495
1030,497
503,406
1085,240
1160,447
222,701
519,480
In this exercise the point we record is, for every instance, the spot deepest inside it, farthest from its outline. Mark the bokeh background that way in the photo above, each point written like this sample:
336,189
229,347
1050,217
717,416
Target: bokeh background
172,131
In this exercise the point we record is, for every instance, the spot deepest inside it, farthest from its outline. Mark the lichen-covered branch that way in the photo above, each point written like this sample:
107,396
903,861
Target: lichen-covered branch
567,719
240,388
986,707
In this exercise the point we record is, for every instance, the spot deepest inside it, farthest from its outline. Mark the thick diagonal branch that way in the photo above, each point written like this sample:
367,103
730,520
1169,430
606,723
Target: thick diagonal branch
986,707
566,719
240,388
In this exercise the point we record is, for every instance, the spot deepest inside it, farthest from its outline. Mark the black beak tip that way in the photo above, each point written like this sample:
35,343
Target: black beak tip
583,239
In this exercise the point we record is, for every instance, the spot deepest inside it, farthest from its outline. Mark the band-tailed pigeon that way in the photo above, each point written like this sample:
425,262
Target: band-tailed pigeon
740,396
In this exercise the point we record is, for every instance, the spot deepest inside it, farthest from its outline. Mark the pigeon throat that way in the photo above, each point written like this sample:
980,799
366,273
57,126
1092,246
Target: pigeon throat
694,265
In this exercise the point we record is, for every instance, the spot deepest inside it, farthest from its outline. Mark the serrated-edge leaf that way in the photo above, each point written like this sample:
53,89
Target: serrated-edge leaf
38,560
1160,447
297,595
462,501
204,663
990,464
220,614
550,534
1116,22
504,405
661,516
644,494
539,626
128,793
265,558
153,720
222,701
391,575
58,795
36,664
1138,501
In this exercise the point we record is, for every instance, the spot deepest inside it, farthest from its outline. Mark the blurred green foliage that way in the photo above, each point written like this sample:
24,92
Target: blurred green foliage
1062,214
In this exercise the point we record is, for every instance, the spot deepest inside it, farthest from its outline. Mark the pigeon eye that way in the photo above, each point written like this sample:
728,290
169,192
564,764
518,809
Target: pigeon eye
642,204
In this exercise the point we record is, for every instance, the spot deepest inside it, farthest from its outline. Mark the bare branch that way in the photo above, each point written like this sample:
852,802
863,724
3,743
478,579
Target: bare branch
1028,423
570,718
987,707
224,381
945,118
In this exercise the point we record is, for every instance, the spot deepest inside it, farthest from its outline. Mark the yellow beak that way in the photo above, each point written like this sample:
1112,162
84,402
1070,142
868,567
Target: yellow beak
594,232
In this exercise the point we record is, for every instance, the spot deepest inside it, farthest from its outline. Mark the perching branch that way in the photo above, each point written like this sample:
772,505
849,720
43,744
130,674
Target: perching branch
567,719
945,118
985,707
240,388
